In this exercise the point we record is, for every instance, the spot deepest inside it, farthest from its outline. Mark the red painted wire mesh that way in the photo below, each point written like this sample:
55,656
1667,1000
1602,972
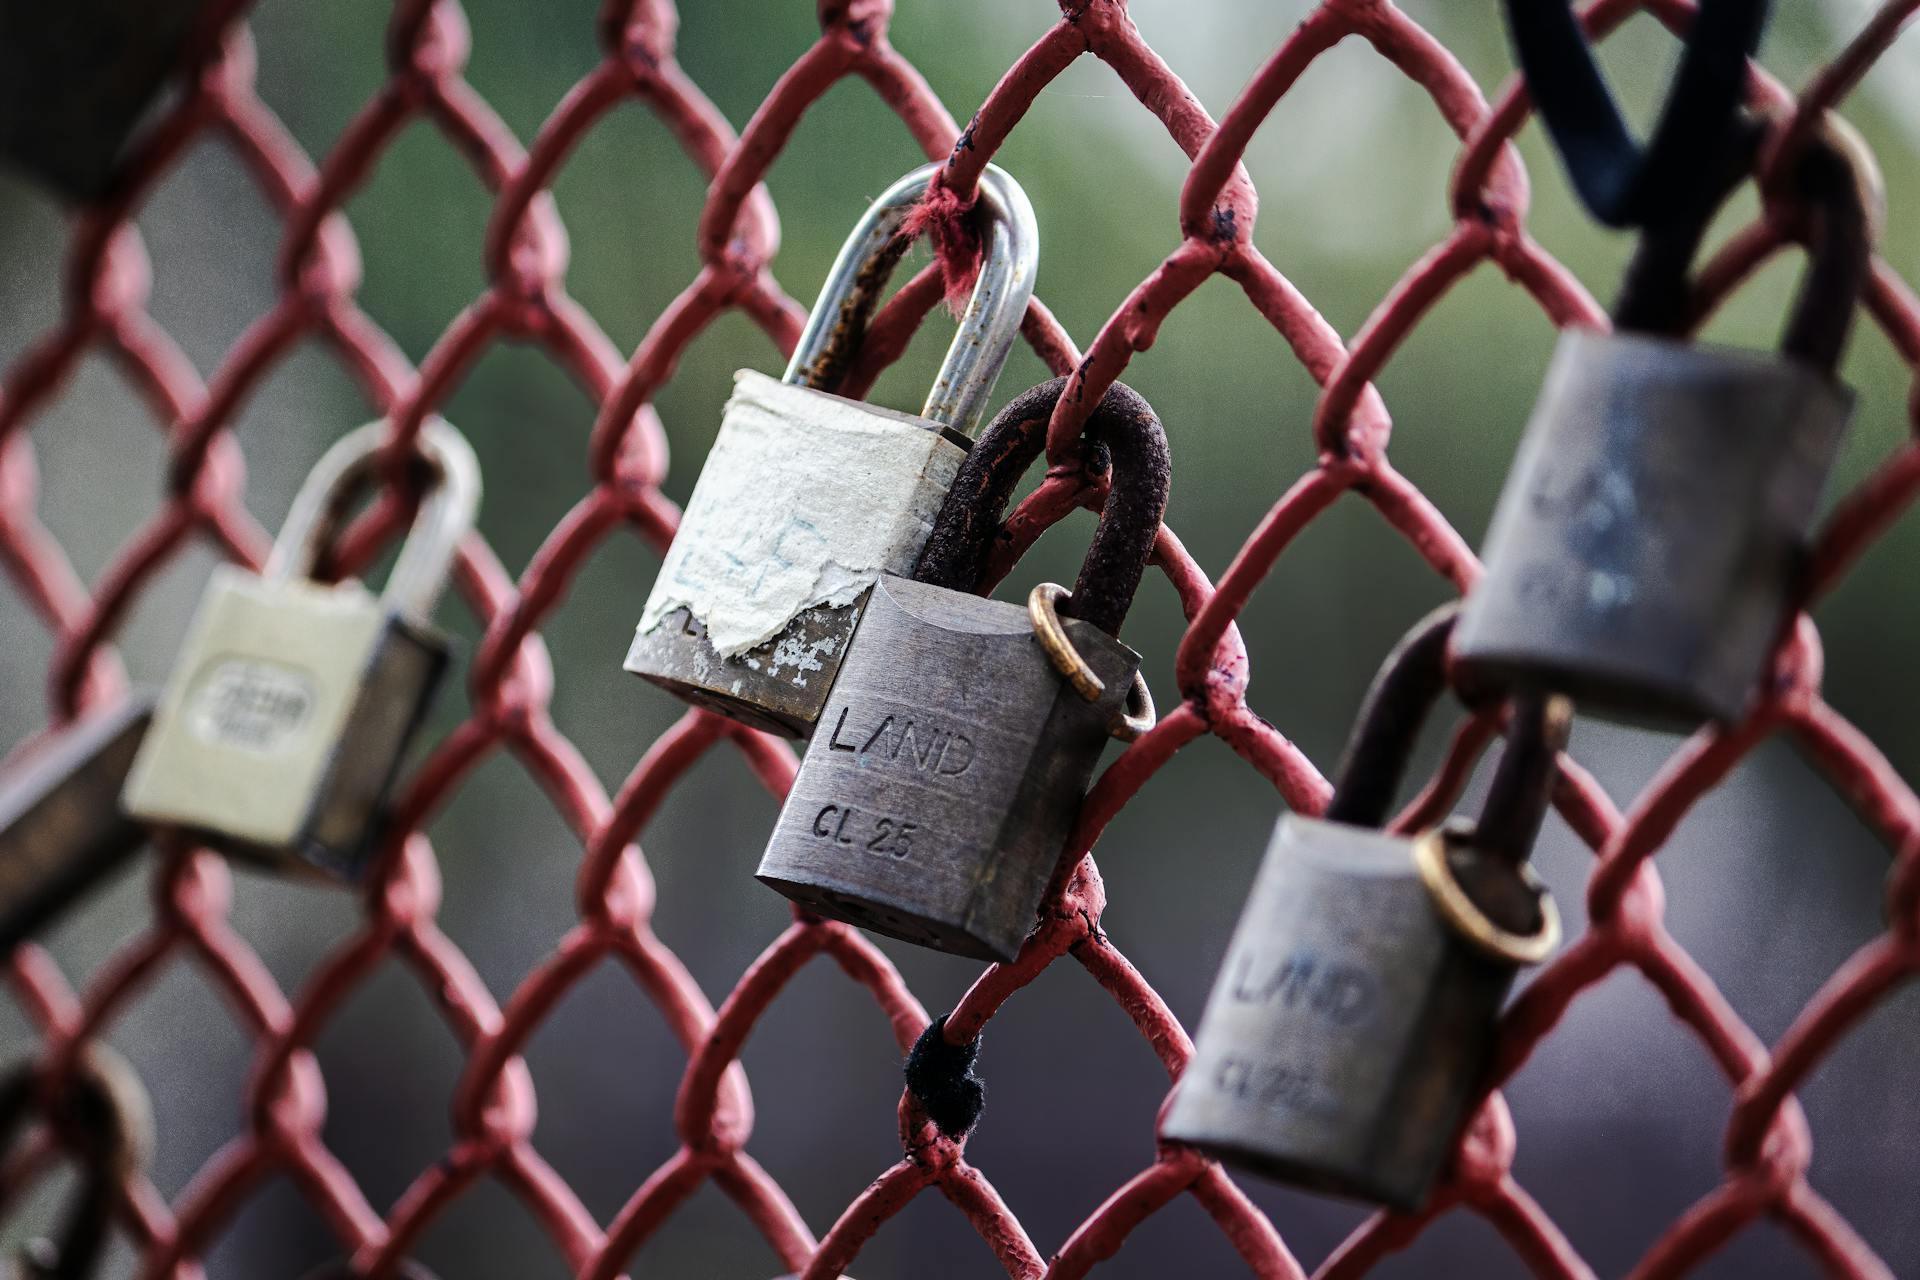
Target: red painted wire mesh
1767,1143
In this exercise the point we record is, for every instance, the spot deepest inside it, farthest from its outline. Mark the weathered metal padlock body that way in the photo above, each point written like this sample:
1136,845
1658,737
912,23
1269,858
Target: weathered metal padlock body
292,702
75,78
61,826
1643,553
804,496
1349,1026
273,679
948,768
807,497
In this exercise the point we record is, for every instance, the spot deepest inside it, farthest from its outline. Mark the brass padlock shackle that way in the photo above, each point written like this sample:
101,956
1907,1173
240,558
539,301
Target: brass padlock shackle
1010,256
1836,182
1476,873
446,513
105,1119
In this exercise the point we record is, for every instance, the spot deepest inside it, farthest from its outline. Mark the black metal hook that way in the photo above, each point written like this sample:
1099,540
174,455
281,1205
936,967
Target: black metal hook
1404,690
1401,697
1834,182
1699,145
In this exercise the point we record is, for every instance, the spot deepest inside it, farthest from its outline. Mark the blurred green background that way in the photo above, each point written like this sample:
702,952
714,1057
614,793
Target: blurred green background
1771,881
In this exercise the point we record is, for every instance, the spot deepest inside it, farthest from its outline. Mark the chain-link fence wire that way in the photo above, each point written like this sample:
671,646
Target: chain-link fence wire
510,676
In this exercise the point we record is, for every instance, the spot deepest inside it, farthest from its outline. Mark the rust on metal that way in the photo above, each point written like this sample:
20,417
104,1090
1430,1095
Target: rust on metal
1209,223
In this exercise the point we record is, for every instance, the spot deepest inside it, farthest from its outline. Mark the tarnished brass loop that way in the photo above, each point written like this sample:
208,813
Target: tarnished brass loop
1466,918
1043,606
1139,717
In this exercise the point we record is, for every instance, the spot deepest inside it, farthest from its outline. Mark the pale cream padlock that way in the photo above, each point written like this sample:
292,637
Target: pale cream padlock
284,721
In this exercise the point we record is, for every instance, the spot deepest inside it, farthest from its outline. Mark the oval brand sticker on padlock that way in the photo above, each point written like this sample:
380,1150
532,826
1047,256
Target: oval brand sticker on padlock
806,497
250,704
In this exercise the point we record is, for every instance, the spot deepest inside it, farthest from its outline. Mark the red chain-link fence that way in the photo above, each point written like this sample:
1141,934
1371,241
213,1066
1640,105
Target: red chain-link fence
1767,1142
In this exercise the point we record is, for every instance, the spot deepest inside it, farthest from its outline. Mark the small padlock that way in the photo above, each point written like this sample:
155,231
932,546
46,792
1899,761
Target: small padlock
951,758
807,497
1350,1024
75,78
103,1119
1650,539
61,826
285,719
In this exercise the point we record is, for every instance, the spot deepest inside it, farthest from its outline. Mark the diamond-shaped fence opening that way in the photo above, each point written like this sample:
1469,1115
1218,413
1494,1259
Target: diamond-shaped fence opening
519,741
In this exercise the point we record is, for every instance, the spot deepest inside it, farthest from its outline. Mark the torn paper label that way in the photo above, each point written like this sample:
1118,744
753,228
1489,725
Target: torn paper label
805,499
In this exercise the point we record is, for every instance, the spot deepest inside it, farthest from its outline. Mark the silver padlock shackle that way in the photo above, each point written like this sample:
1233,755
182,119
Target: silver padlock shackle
1010,256
1838,184
1122,433
1398,702
426,557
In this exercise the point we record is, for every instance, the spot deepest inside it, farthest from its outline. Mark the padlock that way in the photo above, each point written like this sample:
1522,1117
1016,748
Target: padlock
807,497
1349,1027
285,719
102,1118
61,826
75,78
1651,537
952,756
